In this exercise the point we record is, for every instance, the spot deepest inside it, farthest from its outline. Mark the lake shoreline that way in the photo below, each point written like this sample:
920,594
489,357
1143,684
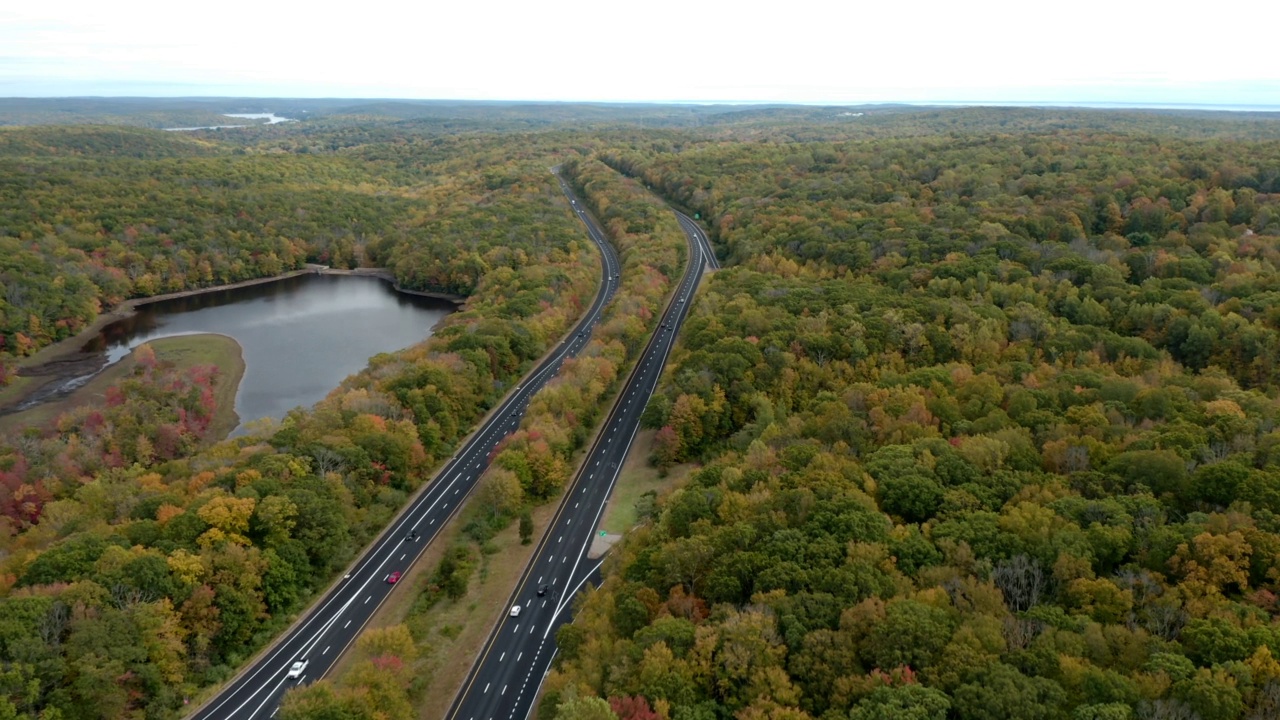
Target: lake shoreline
218,349
63,360
385,274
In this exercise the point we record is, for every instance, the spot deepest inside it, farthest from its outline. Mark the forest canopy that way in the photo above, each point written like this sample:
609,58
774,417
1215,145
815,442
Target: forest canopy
138,563
983,405
985,409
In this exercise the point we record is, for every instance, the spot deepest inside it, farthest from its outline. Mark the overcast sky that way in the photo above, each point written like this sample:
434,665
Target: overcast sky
830,51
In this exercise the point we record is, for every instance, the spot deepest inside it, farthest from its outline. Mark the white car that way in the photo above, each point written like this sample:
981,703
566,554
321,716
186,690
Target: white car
297,669
515,611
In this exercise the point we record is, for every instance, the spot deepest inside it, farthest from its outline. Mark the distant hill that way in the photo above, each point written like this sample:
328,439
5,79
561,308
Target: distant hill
98,141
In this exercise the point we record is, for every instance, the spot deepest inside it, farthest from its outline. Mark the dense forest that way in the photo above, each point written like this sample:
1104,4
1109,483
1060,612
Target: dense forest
986,414
92,216
138,564
984,407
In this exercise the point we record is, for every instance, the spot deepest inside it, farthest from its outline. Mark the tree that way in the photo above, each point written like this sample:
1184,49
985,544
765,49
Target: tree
1212,694
1022,581
902,702
321,701
911,635
1003,693
1103,711
500,492
584,708
274,519
526,527
634,707
666,448
1220,483
914,498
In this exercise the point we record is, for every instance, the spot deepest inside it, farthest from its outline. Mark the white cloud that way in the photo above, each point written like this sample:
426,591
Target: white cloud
800,50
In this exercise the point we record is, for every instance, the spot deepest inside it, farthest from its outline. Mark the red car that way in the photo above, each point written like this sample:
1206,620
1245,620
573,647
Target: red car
393,577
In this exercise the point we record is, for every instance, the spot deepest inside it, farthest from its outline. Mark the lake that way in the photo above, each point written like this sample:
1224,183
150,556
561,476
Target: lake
301,336
271,119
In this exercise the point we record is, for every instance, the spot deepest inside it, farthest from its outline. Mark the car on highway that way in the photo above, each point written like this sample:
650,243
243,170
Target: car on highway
393,578
515,611
297,669
542,591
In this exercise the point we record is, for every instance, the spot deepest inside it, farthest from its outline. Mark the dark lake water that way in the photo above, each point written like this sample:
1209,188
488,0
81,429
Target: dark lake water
301,336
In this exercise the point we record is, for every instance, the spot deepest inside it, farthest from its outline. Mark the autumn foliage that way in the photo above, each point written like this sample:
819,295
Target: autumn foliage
138,564
985,405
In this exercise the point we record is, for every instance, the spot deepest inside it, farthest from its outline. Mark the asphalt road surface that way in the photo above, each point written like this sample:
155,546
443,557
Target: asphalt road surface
695,233
504,681
336,620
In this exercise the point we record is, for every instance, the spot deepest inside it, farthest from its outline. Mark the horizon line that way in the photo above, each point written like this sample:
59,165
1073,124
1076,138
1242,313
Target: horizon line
1086,104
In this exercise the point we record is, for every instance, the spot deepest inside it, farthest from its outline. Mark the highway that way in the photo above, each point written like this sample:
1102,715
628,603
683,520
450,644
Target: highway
333,622
504,681
695,232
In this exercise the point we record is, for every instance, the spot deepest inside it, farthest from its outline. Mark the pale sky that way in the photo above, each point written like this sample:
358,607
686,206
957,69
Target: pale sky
648,50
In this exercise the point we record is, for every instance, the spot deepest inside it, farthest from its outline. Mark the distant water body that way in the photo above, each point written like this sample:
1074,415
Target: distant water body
271,119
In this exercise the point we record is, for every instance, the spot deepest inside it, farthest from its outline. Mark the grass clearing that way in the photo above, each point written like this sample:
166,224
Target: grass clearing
637,478
184,351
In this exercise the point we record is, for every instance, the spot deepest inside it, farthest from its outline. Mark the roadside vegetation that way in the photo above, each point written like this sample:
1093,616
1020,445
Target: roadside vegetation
532,465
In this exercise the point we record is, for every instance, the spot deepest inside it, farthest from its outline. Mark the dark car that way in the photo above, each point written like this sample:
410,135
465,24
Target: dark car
542,591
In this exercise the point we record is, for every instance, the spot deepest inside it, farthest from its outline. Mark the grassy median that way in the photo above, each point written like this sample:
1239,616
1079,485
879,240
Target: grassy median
637,478
449,633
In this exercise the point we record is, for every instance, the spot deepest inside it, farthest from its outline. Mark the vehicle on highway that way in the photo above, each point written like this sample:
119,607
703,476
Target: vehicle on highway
297,669
515,611
393,578
542,591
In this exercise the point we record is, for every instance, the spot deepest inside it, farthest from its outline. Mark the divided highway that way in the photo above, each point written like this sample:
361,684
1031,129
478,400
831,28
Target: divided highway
333,623
504,681
696,234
